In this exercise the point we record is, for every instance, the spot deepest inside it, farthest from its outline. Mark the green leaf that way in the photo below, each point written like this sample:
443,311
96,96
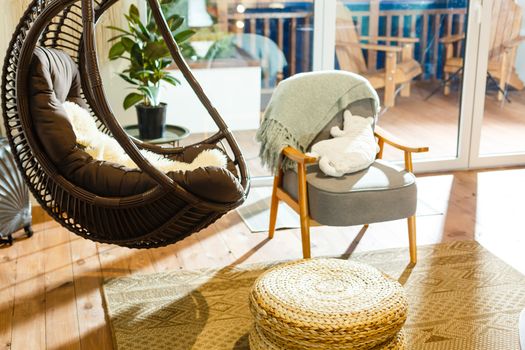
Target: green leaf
147,36
145,71
116,51
117,37
128,79
127,43
146,90
156,50
164,62
134,12
119,29
175,22
136,55
132,99
184,35
171,80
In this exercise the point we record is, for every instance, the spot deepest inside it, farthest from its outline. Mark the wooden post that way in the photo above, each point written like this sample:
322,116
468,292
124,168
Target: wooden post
293,46
407,54
222,15
504,74
449,53
390,84
373,30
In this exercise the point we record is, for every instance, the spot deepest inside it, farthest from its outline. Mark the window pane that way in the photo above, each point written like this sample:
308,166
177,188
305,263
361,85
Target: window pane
503,127
412,53
240,52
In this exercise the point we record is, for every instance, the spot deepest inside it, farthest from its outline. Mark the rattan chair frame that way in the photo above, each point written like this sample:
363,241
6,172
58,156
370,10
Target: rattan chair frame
161,216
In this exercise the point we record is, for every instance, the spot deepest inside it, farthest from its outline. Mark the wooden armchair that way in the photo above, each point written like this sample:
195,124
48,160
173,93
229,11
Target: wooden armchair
504,41
381,193
400,66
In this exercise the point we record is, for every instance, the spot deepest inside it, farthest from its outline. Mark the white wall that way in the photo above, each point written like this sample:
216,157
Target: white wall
235,93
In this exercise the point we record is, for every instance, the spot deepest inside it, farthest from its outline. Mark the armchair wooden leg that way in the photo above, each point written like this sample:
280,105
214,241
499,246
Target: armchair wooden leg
305,237
446,88
274,204
412,239
303,211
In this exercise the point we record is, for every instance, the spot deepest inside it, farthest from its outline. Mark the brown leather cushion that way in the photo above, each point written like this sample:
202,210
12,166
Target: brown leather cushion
54,79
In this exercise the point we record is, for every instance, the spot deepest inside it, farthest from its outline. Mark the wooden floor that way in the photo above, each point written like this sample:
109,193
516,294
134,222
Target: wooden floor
50,284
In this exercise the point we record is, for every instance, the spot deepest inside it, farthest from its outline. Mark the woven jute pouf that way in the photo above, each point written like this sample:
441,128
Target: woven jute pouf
327,304
259,341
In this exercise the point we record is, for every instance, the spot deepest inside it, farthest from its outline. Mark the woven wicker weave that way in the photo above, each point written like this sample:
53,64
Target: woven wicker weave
327,304
260,341
164,214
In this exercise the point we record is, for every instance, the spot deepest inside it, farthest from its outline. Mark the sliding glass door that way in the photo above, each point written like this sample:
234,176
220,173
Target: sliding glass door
240,52
433,64
413,53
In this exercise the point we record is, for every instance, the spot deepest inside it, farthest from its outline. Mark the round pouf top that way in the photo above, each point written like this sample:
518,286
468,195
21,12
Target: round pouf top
327,304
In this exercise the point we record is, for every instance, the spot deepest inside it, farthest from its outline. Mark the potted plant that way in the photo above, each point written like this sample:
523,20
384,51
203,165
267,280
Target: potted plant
148,55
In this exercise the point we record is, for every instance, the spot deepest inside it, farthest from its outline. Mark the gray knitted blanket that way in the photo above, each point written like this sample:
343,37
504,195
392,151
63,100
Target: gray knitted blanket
301,106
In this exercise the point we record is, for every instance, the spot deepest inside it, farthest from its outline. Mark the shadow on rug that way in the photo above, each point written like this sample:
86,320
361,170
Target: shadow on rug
460,296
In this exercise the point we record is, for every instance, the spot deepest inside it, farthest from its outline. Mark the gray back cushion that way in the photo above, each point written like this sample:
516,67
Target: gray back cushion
364,108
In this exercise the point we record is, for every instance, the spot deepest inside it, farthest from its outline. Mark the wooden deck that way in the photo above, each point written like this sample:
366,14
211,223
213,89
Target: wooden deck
50,291
433,122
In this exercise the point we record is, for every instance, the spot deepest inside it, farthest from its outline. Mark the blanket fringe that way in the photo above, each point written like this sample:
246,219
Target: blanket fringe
274,137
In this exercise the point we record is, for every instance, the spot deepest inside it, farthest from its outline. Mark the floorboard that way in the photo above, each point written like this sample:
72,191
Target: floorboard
51,283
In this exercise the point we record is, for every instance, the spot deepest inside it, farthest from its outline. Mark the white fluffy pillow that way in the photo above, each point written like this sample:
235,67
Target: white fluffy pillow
351,150
102,147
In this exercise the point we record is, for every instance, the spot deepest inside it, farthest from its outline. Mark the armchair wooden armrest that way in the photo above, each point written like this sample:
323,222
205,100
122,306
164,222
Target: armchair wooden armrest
399,39
375,47
298,156
514,42
396,142
450,39
384,136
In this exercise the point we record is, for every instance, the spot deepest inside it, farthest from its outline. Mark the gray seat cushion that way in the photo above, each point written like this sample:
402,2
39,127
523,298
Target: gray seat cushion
382,192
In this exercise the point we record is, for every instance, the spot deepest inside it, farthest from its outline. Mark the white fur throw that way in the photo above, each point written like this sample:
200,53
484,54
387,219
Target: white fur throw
102,147
351,149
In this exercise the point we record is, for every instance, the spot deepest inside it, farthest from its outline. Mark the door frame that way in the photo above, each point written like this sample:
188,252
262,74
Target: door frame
327,32
477,160
471,106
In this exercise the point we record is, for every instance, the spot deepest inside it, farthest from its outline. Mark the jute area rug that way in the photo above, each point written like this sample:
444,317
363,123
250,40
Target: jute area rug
460,295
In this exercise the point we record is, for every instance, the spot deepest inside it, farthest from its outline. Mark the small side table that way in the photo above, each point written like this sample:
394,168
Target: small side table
173,134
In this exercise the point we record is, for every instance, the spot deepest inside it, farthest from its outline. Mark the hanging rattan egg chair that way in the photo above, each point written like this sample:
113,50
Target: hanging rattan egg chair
101,201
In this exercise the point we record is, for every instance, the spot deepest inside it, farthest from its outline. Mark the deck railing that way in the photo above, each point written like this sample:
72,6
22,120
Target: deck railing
427,25
293,31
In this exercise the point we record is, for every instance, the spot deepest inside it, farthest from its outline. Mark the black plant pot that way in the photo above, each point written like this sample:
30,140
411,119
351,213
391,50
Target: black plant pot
151,121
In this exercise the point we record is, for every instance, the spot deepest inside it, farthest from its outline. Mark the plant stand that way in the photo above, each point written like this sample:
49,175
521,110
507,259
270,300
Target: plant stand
15,206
